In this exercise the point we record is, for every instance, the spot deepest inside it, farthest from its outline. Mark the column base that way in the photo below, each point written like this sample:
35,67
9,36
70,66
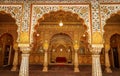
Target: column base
14,68
108,70
45,69
76,70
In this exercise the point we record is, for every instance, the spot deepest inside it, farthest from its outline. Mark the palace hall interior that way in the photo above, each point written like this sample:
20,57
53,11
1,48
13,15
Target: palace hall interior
59,37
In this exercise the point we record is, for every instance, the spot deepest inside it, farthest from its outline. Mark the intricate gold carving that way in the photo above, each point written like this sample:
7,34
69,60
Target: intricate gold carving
97,38
45,45
76,45
24,37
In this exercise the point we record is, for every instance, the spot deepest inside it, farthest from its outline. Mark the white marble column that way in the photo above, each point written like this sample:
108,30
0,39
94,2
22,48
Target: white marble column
76,47
96,65
107,60
45,68
24,67
15,61
76,68
45,64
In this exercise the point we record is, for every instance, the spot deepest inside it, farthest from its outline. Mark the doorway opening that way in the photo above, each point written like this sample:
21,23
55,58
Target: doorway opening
7,49
115,50
61,49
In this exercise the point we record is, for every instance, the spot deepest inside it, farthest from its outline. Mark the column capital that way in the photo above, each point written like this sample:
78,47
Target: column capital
107,47
76,45
15,46
96,48
45,45
25,48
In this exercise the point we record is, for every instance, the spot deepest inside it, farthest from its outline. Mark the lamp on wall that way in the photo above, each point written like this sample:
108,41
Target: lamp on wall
61,24
38,34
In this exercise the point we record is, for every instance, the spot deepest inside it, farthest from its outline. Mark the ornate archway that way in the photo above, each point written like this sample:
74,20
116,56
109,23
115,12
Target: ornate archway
111,28
82,11
61,49
48,26
8,25
114,52
6,49
15,11
9,36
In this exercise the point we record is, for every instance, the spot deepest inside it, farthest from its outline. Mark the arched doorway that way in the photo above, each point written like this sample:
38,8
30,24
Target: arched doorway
58,37
110,36
61,49
8,35
7,49
115,50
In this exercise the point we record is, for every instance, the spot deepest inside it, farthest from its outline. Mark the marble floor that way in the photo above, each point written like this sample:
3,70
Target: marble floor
57,70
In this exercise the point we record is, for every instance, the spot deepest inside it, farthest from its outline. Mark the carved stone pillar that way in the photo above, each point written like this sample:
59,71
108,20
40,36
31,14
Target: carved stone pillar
24,67
15,61
45,47
76,47
107,61
96,65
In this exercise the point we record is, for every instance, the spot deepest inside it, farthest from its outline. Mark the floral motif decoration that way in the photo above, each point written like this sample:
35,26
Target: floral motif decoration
95,16
26,16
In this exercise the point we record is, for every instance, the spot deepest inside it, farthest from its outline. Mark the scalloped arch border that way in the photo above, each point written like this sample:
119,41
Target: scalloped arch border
16,12
38,11
106,10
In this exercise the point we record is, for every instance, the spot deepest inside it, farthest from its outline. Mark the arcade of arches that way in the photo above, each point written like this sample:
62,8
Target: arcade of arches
59,36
